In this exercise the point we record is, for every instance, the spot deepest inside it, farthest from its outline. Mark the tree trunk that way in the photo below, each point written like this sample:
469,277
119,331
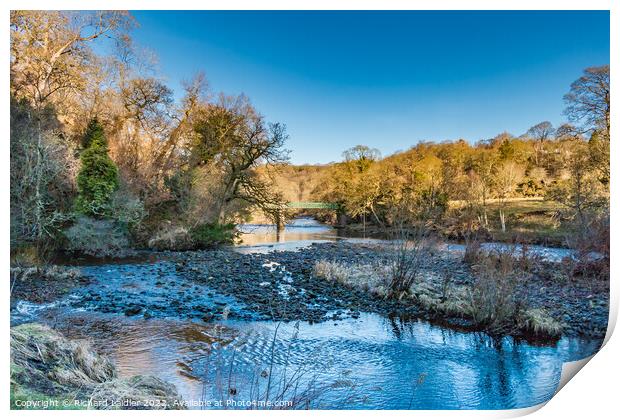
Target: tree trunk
484,209
372,210
364,224
280,220
502,219
221,208
38,210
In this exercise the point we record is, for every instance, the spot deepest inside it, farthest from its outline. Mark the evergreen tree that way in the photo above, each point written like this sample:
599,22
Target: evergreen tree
98,176
94,133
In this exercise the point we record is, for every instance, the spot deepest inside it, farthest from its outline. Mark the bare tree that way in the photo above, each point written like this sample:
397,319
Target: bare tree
567,131
361,156
49,49
581,192
412,245
588,101
541,132
236,139
484,167
506,178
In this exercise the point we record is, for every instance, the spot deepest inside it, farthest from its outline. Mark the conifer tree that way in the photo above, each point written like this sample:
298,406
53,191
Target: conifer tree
98,176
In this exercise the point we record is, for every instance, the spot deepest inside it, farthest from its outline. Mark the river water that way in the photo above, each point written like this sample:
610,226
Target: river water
371,362
304,231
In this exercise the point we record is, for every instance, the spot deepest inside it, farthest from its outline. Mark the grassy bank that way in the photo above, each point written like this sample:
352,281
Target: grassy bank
532,221
495,302
48,371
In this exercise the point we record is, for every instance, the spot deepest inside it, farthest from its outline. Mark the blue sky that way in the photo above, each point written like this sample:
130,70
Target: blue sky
384,79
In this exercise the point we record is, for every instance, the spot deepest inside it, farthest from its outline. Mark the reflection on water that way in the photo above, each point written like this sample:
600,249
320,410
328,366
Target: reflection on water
298,233
371,362
304,231
299,229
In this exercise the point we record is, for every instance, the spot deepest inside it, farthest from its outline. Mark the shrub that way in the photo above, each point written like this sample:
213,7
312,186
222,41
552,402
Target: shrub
99,238
97,179
127,209
494,300
473,252
27,256
413,246
42,174
592,246
172,238
464,224
537,323
498,298
212,234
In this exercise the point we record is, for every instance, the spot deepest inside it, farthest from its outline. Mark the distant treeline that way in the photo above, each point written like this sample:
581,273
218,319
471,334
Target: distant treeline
568,164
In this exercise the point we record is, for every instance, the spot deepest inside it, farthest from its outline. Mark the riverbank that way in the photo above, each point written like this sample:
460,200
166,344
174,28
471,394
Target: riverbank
526,236
49,371
283,286
44,284
290,289
193,318
531,221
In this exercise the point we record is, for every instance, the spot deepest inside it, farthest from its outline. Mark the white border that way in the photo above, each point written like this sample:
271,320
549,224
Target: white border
594,394
316,5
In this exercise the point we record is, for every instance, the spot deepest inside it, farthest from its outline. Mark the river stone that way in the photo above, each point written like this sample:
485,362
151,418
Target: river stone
133,310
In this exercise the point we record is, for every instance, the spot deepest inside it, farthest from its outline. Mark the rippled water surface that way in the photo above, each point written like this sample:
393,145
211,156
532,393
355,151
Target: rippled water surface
370,362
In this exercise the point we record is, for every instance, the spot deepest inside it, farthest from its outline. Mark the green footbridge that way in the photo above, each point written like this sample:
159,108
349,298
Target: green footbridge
303,205
311,205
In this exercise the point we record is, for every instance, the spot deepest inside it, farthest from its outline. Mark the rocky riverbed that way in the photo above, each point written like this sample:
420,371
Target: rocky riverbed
218,284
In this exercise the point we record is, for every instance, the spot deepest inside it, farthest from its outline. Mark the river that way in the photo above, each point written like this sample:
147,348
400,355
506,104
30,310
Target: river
371,362
304,231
